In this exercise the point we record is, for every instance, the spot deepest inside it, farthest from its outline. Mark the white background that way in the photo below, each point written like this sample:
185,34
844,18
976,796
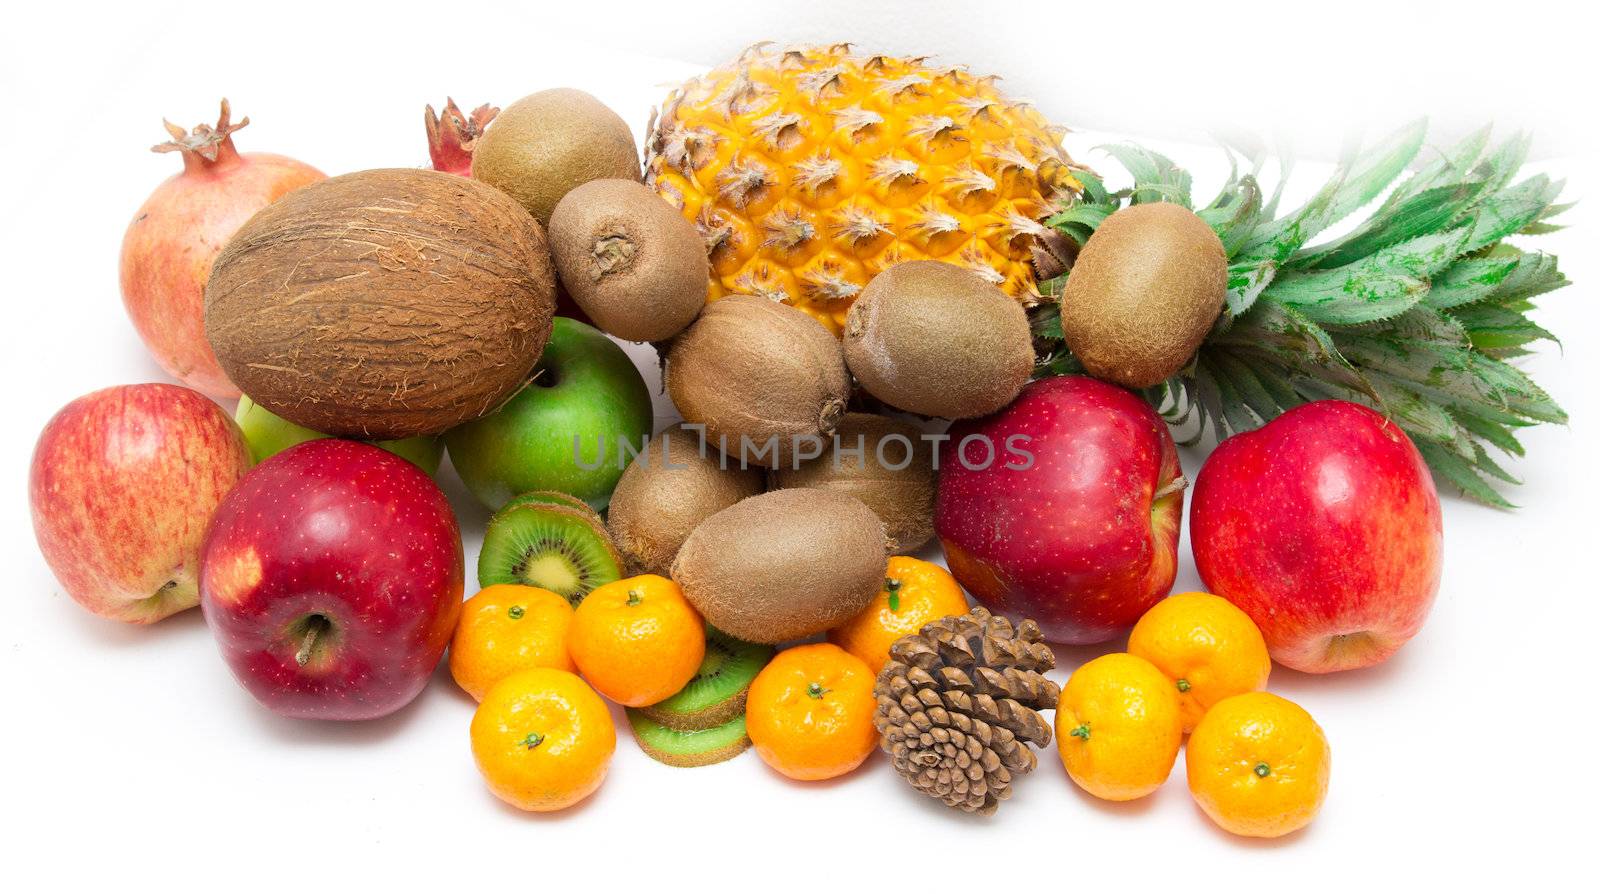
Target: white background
131,757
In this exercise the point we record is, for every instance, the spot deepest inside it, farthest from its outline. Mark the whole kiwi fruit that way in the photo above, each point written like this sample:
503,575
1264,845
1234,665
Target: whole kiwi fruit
758,375
382,304
674,484
784,564
631,261
1143,293
884,463
543,145
938,340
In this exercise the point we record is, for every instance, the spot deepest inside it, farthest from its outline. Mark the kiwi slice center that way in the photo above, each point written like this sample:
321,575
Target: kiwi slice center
554,571
556,547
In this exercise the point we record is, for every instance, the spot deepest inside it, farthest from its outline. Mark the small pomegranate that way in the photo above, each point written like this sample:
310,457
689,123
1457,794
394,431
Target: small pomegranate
451,136
177,233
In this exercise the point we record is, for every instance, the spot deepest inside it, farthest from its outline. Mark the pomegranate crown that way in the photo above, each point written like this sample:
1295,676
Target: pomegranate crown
205,141
451,136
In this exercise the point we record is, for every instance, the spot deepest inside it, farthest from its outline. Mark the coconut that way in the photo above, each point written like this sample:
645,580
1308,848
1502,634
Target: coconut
382,304
758,375
676,483
784,565
885,464
1143,293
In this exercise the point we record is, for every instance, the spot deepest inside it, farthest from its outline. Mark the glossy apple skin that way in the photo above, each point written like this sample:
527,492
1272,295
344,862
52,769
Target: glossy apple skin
269,434
1079,541
1324,526
585,386
348,533
122,485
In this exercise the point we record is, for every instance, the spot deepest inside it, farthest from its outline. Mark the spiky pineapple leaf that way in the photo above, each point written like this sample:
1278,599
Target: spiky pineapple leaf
1425,213
1156,178
1235,213
1497,433
1503,213
1359,179
1079,221
1451,375
1492,327
1473,279
1413,312
1461,473
1375,287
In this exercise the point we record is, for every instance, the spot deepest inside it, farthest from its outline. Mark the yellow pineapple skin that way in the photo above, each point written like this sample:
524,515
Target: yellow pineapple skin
811,169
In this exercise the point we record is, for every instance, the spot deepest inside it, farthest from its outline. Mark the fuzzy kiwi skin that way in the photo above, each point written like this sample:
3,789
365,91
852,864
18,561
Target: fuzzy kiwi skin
1143,293
638,720
938,340
784,565
543,145
754,368
667,491
631,261
382,304
901,498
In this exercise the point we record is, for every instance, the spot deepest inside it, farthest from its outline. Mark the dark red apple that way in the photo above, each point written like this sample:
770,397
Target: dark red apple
332,578
122,486
1323,525
1085,538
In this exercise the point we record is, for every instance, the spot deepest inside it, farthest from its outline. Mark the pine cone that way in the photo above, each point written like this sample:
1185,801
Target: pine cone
958,706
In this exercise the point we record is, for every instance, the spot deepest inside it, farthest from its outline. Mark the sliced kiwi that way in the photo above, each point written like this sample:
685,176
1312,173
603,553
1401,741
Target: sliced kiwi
544,543
555,498
715,694
677,748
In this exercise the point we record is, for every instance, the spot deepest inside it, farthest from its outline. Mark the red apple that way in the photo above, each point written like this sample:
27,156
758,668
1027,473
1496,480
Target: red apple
122,486
332,580
1084,539
1323,525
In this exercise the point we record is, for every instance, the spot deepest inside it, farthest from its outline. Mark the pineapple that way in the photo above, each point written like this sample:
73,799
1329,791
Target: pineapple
1414,313
809,170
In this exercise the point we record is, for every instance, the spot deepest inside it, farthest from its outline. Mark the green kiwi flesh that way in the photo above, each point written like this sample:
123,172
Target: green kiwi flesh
677,748
549,545
716,692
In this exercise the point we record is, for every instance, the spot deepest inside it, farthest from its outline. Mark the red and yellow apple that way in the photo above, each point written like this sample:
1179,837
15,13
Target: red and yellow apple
122,486
1324,526
332,580
1064,507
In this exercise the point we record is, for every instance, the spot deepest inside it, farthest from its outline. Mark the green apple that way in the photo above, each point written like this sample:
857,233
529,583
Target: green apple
565,431
268,433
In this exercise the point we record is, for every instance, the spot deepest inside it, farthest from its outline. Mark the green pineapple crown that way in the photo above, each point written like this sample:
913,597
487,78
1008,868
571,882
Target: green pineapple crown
1413,313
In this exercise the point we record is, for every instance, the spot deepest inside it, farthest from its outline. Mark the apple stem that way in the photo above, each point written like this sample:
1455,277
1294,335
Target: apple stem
1176,485
316,625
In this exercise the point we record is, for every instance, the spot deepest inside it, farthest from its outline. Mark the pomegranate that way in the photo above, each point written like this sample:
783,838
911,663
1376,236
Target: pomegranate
451,136
177,233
